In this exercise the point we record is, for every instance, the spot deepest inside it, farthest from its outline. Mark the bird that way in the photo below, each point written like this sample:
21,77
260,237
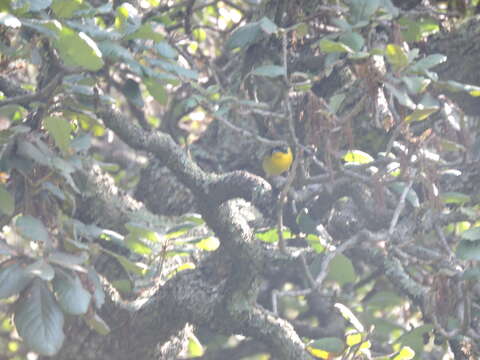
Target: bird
277,160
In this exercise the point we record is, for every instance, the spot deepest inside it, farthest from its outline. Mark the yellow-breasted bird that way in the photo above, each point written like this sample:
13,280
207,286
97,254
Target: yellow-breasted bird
277,160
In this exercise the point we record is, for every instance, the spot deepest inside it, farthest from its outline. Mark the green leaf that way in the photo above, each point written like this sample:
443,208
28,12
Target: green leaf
269,71
456,86
137,245
208,244
32,5
195,348
66,8
28,150
71,295
7,250
428,62
472,234
166,50
412,197
416,30
384,300
95,322
306,223
130,266
157,90
145,31
69,261
60,129
250,33
396,56
414,338
341,270
39,319
329,46
416,84
9,20
328,344
421,113
406,353
179,230
7,201
357,157
142,232
76,49
471,274
125,286
54,190
95,283
41,269
32,229
81,143
353,40
271,235
13,279
456,198
315,243
244,36
350,316
363,9
401,96
268,26
199,35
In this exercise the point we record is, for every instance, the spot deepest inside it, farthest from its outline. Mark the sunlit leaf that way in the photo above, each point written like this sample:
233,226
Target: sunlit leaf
157,90
137,245
357,157
414,338
330,46
60,129
455,198
76,49
421,113
323,347
396,56
406,353
96,323
195,348
209,244
66,8
350,316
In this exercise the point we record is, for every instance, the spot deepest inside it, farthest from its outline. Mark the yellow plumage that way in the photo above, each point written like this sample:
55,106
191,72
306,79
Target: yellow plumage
277,161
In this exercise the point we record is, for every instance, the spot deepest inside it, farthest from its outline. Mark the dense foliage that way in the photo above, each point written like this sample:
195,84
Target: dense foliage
137,222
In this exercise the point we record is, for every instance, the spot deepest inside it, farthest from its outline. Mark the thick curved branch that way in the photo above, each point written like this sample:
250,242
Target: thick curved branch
206,187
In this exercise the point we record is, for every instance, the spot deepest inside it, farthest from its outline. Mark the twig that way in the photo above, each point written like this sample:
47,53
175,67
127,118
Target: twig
401,205
281,201
443,240
329,257
242,131
25,100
